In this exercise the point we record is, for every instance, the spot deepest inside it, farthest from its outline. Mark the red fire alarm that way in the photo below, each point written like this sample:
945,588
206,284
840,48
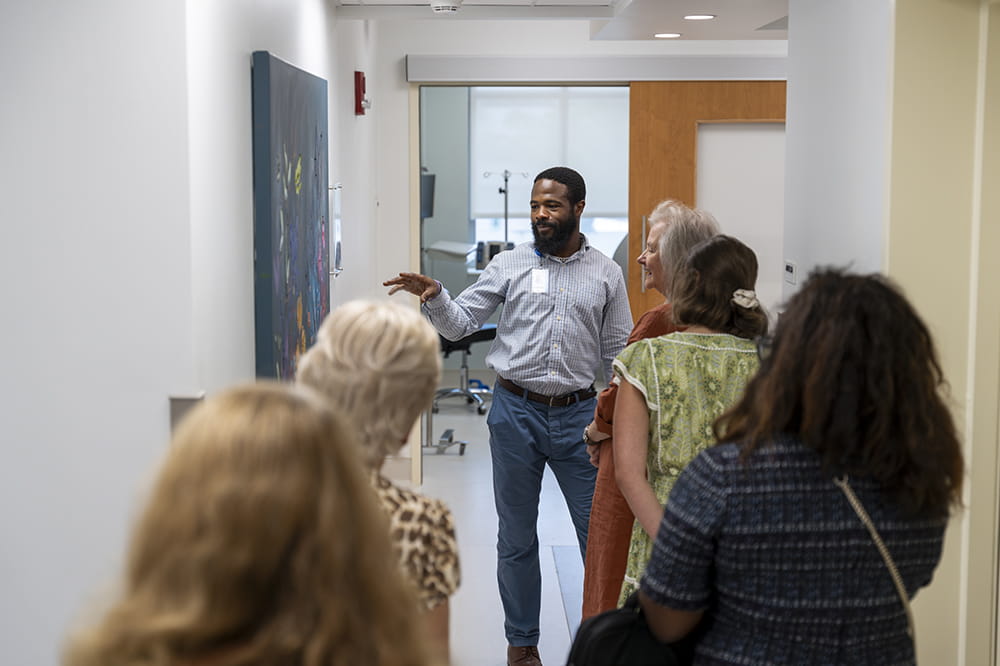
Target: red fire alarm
360,101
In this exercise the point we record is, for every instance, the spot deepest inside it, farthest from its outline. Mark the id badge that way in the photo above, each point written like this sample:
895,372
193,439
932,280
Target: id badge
539,280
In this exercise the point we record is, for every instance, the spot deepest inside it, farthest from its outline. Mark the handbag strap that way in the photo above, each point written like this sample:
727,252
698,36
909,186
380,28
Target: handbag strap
896,578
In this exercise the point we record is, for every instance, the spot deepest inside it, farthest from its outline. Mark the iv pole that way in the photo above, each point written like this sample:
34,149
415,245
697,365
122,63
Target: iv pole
505,192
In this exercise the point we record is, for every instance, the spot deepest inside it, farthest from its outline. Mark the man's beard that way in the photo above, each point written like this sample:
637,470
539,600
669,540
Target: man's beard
561,235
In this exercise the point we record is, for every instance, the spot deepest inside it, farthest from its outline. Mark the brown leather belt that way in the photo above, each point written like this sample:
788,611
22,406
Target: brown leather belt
551,401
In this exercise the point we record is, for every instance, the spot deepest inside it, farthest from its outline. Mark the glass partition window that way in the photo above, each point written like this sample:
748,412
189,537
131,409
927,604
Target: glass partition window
471,136
522,130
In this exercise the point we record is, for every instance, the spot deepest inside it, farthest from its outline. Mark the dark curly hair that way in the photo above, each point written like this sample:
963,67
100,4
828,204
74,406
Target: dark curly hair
852,371
575,187
702,290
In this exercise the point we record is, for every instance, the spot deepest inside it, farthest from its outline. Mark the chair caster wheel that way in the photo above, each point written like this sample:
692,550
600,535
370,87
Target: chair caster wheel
461,449
481,409
434,409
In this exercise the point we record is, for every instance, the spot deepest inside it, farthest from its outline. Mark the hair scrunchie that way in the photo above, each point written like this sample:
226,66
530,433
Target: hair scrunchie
746,298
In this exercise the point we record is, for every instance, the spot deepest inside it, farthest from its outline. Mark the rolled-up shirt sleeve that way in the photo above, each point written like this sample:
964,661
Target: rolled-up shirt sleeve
455,318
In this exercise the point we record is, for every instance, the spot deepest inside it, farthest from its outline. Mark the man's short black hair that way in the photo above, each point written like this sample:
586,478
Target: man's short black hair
573,181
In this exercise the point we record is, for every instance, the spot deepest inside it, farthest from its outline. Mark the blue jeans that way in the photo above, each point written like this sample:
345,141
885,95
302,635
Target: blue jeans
524,436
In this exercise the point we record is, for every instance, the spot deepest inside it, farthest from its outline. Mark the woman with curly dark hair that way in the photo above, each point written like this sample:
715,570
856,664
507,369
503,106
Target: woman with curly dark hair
759,538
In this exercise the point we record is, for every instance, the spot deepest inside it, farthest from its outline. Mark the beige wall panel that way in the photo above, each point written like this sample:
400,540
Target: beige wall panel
931,252
985,385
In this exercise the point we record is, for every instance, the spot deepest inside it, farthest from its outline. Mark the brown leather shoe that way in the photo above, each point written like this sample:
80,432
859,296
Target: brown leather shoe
523,656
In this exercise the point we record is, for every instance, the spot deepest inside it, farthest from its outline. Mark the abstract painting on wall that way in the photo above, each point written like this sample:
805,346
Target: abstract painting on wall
291,212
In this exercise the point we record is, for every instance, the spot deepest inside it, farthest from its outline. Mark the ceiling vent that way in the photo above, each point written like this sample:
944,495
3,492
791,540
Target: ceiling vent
445,6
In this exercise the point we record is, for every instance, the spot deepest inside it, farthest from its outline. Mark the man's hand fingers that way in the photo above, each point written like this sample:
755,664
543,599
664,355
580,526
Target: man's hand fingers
413,279
414,283
402,282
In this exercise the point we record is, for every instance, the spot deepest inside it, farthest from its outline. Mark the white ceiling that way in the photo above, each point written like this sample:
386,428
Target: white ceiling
611,19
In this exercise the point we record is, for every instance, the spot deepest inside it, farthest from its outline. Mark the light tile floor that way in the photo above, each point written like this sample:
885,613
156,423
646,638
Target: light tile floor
465,483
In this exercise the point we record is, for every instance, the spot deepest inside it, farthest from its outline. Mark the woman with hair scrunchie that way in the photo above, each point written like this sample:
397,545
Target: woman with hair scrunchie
672,388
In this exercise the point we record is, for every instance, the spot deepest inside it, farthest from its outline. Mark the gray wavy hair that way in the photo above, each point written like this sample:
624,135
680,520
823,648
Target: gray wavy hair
686,227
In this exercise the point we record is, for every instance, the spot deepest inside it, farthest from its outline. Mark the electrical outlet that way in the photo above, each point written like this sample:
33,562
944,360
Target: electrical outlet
791,272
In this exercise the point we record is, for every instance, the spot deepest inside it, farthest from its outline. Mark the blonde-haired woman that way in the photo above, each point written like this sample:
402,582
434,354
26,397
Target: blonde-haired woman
261,544
379,363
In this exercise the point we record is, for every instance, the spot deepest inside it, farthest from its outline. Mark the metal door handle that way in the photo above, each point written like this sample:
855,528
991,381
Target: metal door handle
642,269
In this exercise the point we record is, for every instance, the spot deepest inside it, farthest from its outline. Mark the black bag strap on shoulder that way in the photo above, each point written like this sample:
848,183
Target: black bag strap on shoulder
620,637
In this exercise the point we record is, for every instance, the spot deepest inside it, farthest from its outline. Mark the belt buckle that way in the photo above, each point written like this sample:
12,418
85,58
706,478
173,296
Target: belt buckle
565,400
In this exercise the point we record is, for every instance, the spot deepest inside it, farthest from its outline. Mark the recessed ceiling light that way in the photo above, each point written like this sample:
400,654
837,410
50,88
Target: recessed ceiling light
667,35
699,17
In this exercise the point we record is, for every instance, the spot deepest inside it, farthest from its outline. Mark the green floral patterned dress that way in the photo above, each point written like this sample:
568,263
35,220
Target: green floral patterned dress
688,380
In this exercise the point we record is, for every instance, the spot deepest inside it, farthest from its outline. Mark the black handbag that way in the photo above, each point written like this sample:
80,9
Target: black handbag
621,637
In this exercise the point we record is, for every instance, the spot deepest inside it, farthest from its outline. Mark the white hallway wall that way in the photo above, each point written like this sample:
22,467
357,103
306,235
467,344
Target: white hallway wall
837,134
357,159
125,269
95,276
221,35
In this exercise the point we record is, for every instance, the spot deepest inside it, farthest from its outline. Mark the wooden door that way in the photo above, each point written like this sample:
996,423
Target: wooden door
663,131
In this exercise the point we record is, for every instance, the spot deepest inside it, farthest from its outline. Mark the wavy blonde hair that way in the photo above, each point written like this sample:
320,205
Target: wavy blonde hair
380,363
261,543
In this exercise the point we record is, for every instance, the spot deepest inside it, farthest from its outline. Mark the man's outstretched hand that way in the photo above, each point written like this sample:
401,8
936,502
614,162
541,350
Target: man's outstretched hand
415,283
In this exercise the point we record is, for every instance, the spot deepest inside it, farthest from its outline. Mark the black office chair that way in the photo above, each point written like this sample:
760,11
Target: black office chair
487,332
447,438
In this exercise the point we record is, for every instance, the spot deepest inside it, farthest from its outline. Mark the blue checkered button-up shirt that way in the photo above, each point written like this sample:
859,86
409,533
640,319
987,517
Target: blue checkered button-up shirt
551,338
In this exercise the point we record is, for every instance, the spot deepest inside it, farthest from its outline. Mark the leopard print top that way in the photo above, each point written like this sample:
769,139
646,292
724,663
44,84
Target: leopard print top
423,533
